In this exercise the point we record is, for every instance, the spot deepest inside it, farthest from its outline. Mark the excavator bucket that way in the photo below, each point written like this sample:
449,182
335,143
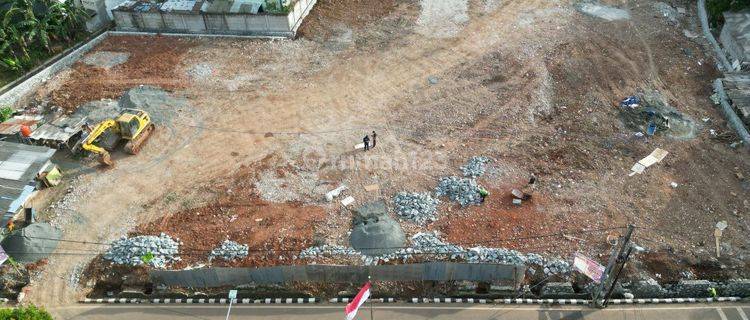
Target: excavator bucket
105,159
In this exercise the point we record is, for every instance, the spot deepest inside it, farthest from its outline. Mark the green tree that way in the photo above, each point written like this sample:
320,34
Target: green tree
29,28
30,312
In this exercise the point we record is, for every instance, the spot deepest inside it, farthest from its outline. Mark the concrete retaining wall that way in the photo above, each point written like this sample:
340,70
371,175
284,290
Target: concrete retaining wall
216,23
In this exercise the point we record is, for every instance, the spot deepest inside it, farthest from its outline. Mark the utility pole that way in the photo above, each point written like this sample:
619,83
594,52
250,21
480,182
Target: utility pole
618,257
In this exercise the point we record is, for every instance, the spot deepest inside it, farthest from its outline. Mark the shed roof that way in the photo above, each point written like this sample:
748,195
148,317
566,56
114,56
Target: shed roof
19,164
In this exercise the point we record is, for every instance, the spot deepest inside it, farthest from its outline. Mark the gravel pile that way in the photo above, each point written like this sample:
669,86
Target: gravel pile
417,207
475,167
462,190
229,250
327,250
130,251
429,243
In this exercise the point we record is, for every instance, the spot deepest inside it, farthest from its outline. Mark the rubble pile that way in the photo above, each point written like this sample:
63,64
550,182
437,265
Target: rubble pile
462,190
430,243
229,250
475,167
327,250
418,207
133,251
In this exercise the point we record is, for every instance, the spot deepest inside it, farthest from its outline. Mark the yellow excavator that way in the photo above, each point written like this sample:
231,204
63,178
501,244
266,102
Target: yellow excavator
132,125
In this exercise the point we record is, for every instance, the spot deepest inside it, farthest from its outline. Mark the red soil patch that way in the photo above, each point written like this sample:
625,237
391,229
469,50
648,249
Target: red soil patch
153,61
274,232
499,223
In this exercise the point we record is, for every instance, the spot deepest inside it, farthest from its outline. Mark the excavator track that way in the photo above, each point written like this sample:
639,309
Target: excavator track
134,146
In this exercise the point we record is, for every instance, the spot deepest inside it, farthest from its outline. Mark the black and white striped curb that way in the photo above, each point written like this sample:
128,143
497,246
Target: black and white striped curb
572,301
201,301
674,300
412,300
347,300
498,301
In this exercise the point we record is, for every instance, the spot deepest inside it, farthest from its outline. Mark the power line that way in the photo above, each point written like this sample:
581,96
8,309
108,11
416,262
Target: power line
471,243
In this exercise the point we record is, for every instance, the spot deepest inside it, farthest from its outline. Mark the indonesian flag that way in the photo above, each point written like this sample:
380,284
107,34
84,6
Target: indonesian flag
353,307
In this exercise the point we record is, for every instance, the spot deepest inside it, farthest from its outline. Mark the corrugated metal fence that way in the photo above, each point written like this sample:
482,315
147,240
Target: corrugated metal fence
431,271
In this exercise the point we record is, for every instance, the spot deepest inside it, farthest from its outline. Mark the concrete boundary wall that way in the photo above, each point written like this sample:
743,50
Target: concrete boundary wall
216,23
430,271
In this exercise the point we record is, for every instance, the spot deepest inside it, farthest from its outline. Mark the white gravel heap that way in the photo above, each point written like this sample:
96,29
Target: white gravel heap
429,244
229,250
416,206
475,167
327,250
129,251
462,190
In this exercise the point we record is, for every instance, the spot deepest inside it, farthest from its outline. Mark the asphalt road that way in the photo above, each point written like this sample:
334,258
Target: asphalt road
406,312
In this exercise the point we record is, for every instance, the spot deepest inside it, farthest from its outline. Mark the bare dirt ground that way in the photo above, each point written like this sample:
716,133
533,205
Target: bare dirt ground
530,83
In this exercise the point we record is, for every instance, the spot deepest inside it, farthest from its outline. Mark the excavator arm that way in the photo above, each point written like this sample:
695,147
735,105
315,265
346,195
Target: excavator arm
89,144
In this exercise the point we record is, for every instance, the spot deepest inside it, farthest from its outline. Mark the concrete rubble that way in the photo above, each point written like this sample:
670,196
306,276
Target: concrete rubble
229,250
416,206
130,251
667,11
603,12
429,243
462,190
475,167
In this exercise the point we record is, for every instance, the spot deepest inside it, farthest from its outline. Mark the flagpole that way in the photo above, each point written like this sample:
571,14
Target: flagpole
372,314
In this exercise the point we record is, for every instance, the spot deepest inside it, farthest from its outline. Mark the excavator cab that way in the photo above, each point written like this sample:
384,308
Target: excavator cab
131,124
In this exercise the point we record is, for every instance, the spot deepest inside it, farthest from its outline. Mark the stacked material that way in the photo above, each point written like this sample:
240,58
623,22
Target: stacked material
462,190
437,249
417,207
475,167
149,250
229,250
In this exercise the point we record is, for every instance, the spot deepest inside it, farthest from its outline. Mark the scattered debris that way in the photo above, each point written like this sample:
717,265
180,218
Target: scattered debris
335,192
347,201
462,190
630,102
229,250
603,12
475,167
656,156
674,184
106,59
154,251
416,206
200,71
667,11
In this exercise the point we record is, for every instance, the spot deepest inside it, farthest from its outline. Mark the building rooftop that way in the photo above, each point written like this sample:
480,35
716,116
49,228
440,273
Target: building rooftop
19,165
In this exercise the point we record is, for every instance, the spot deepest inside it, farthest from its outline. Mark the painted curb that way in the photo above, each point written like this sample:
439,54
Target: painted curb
205,301
412,300
347,300
674,300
